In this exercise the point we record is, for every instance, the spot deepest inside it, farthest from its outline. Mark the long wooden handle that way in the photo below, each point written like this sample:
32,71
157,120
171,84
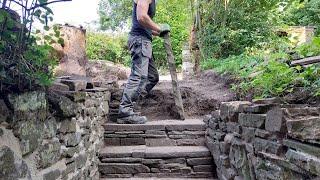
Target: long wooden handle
174,77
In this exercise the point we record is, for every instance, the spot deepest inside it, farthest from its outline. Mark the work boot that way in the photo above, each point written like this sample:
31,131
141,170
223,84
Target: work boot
133,119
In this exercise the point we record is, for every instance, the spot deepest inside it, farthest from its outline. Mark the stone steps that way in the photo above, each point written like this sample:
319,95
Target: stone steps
164,161
190,132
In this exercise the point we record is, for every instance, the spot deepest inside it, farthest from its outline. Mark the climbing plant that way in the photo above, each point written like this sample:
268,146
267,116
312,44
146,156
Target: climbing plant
24,63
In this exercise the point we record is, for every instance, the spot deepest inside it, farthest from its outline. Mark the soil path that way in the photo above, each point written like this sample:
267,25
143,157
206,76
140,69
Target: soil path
201,95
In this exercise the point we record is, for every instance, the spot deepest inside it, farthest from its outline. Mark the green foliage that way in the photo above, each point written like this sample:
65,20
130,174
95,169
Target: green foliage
117,13
310,49
105,47
229,27
303,13
26,65
176,14
114,13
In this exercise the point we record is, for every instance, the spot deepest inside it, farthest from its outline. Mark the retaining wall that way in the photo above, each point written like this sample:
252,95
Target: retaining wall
54,136
265,140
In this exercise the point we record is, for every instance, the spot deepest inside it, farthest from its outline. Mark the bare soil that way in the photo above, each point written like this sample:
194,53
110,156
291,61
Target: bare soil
201,95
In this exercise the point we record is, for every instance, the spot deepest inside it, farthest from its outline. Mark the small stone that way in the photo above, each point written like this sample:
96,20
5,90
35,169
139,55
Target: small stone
229,111
305,128
29,106
81,161
75,85
248,134
200,161
30,134
68,126
4,111
72,139
122,168
49,153
252,120
70,151
233,128
313,150
190,142
50,128
52,175
262,133
305,161
57,86
257,108
275,121
267,146
132,141
62,105
160,142
11,166
271,101
112,141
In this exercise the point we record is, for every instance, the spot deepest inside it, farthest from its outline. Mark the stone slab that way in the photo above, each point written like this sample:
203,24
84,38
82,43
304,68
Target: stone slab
252,120
179,151
313,150
200,161
122,168
172,125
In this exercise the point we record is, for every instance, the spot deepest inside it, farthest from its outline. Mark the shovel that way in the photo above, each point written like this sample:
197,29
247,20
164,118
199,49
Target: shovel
174,77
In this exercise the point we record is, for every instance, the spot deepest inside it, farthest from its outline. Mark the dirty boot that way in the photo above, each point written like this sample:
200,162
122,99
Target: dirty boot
133,119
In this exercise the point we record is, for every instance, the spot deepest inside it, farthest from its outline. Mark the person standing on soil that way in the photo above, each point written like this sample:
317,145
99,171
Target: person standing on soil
144,75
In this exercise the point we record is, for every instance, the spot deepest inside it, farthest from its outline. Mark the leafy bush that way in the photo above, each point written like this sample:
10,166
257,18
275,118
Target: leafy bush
265,74
310,49
229,27
303,13
105,47
24,64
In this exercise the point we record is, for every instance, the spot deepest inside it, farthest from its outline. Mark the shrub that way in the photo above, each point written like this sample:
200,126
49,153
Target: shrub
104,47
24,64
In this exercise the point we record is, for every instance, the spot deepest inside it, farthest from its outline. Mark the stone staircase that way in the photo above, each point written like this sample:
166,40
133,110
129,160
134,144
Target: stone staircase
158,149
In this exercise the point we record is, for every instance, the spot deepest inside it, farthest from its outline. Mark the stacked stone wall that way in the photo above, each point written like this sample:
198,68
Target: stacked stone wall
265,140
52,135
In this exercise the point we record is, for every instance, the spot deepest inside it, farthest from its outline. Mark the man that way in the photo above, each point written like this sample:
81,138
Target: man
144,75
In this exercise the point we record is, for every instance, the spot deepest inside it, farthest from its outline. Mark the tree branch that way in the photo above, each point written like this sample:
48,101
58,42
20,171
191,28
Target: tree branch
45,4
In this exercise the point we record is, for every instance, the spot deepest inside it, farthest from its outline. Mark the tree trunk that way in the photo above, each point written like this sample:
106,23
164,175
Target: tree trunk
74,58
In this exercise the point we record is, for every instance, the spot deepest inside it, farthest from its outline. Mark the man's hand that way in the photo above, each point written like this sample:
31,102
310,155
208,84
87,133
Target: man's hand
164,29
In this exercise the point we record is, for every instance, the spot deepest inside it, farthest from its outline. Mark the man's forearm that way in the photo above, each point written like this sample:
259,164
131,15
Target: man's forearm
147,22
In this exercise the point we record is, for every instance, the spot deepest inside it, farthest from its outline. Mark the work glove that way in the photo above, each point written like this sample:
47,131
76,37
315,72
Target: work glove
164,29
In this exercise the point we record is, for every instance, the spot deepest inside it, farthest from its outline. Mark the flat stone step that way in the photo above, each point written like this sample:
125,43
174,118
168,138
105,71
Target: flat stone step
154,152
172,125
154,178
190,132
156,162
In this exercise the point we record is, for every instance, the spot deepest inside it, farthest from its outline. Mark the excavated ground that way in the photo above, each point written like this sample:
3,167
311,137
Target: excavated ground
201,95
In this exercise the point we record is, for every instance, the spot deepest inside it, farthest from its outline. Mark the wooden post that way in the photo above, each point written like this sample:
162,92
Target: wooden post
173,72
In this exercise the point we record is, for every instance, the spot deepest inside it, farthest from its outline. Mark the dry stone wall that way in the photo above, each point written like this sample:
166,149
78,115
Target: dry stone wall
265,140
52,135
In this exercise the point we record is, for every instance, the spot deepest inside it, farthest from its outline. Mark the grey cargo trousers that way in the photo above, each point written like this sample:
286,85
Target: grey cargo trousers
144,75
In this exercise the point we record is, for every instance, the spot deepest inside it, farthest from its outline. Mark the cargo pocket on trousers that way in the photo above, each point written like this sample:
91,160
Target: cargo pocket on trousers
147,49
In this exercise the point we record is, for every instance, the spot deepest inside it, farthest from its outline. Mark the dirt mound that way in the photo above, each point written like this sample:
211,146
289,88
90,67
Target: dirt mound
107,71
200,97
